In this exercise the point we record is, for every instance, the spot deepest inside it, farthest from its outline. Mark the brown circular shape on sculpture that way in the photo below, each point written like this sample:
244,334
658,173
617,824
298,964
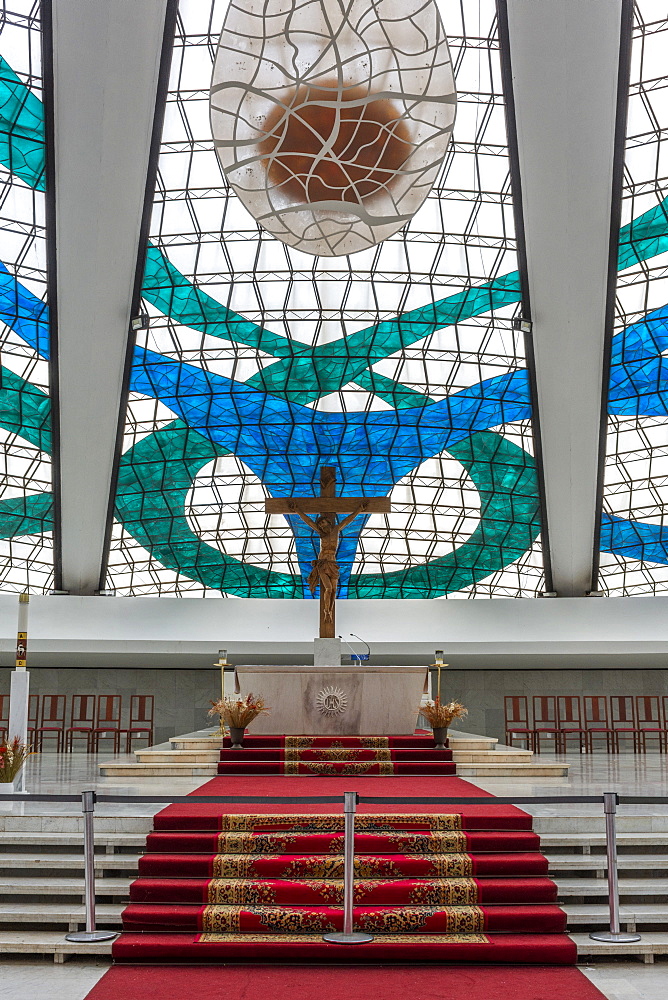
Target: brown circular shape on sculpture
322,145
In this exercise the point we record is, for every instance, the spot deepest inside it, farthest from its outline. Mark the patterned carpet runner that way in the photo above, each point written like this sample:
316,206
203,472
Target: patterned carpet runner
336,755
465,886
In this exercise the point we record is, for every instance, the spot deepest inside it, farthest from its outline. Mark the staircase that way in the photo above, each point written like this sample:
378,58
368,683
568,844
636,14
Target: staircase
464,887
198,755
42,880
335,755
42,887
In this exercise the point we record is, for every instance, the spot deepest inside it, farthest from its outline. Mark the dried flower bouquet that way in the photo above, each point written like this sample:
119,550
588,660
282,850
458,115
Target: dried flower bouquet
440,715
12,758
237,713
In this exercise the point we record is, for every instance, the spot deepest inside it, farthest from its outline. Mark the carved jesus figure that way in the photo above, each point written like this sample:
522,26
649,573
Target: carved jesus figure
325,569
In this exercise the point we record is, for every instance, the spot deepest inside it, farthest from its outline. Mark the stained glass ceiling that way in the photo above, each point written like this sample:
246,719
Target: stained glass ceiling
26,518
398,364
634,530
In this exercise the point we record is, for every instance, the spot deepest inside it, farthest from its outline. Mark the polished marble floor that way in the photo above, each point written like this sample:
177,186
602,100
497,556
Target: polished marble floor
589,774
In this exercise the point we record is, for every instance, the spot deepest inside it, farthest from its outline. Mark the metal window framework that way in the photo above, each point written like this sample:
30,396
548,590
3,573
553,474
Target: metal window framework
26,510
633,534
241,279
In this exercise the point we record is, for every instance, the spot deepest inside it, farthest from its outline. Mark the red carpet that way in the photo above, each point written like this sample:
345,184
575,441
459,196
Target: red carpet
327,756
235,882
338,982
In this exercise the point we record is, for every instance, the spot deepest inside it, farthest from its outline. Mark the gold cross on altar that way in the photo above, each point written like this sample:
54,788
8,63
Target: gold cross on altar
325,570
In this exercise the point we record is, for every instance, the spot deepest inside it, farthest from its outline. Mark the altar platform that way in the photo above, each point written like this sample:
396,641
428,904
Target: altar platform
198,754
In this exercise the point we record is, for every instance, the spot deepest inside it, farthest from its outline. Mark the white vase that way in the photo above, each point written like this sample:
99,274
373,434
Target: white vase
7,788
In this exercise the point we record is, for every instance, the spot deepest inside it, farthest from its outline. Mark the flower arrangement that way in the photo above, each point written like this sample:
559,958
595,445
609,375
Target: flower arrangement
237,713
442,716
12,758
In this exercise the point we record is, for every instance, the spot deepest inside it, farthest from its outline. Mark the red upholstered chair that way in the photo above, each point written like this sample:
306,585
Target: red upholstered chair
596,722
82,720
569,717
623,720
649,721
52,722
33,716
141,720
517,719
544,719
107,721
4,717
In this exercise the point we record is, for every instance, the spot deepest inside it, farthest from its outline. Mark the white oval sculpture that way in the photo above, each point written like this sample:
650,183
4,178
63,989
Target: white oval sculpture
331,118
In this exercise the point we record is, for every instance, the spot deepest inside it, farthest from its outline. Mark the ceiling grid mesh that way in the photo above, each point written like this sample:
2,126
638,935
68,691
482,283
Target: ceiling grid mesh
399,364
26,515
634,529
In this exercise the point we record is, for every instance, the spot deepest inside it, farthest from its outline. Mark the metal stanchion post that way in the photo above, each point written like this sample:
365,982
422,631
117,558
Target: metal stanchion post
349,936
614,935
90,935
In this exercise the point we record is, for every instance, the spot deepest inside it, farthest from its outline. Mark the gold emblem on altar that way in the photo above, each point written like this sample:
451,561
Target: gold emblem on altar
332,701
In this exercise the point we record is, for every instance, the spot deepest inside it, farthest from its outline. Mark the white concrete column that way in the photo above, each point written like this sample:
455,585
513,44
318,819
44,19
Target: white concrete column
106,63
564,61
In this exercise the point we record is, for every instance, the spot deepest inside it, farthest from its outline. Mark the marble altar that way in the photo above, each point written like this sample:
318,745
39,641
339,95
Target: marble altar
348,699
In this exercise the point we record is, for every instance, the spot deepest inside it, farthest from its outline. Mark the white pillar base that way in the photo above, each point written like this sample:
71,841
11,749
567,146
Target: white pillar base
326,652
19,692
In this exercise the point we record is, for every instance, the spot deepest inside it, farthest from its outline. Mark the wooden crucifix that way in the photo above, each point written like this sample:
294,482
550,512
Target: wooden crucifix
325,570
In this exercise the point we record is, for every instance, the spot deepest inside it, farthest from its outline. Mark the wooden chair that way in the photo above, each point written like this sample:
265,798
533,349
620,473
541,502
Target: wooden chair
82,721
596,722
544,719
33,716
649,721
569,717
4,717
623,720
52,721
516,709
141,720
107,721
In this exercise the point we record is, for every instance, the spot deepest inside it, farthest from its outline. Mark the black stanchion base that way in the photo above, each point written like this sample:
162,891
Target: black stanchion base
339,937
609,937
91,937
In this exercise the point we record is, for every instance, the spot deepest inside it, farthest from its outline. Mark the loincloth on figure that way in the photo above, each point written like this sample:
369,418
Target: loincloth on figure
325,572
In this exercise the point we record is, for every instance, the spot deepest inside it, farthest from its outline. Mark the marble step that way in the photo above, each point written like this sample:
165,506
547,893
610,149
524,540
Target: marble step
598,862
107,914
493,756
38,838
202,741
48,943
177,756
533,769
103,862
65,886
585,841
110,769
651,943
212,756
63,823
574,842
650,823
599,887
169,769
472,743
630,914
